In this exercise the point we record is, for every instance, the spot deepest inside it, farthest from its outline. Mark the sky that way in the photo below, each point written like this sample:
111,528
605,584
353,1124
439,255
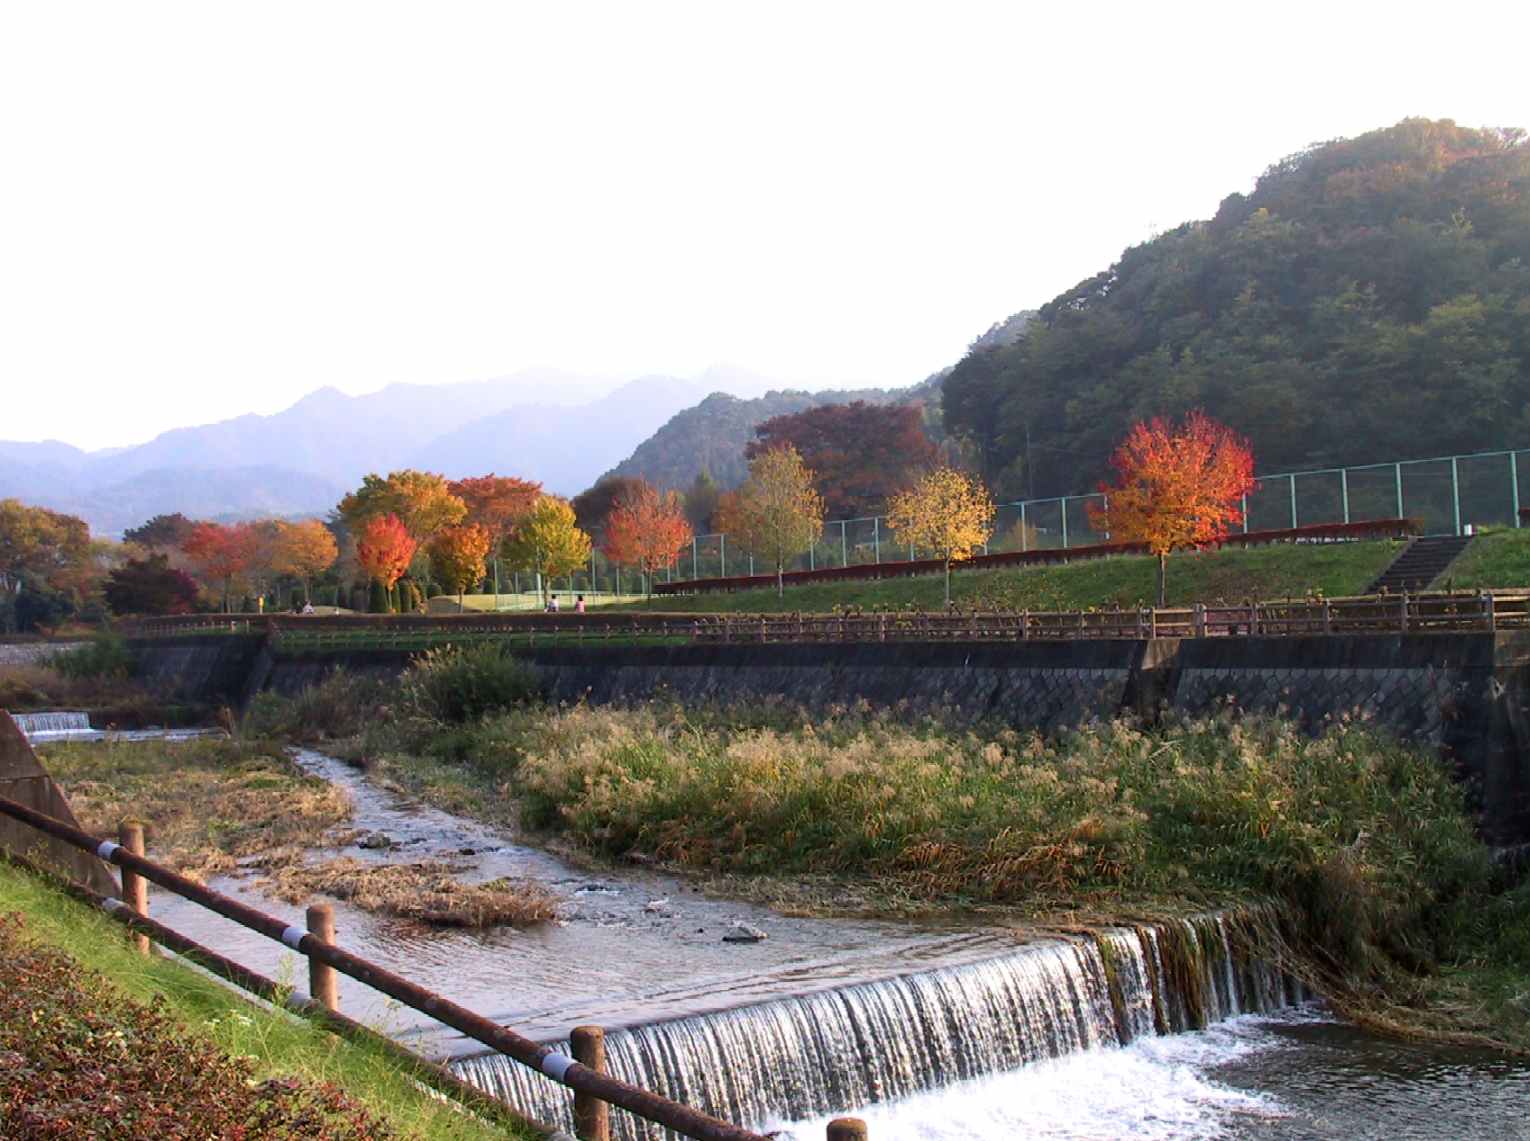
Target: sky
213,209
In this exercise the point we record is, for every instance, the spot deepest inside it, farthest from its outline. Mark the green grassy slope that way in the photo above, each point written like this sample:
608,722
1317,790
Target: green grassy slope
1284,571
1497,559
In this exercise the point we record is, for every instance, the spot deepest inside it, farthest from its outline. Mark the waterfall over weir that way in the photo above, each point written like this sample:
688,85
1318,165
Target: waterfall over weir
34,724
835,1050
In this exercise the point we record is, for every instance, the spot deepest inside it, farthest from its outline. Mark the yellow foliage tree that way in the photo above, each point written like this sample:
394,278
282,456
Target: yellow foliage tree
422,501
547,541
303,550
778,512
947,512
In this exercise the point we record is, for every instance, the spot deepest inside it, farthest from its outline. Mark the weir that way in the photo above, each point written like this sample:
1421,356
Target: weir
840,1049
33,724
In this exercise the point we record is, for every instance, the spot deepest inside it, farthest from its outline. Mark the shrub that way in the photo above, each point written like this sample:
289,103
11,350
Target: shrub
462,683
341,705
82,1060
104,657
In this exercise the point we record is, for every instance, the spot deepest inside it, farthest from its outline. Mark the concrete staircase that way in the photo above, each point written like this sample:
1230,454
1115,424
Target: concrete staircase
1421,562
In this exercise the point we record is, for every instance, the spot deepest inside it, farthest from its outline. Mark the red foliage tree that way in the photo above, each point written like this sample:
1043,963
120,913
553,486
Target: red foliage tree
1176,486
646,529
220,554
384,549
859,453
496,503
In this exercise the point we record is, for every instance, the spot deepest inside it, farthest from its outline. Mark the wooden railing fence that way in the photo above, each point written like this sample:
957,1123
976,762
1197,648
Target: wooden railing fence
585,1075
1483,611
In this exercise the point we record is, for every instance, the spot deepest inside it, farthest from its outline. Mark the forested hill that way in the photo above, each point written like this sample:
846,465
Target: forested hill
710,437
1369,300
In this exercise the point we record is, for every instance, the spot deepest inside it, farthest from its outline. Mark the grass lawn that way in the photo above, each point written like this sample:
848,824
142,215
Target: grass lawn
1496,559
276,1044
1283,571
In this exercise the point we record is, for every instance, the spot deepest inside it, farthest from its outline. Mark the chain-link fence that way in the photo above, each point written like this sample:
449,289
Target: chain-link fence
1446,494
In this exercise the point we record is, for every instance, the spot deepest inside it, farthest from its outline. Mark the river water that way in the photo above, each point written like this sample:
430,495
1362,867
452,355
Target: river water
1292,1076
632,946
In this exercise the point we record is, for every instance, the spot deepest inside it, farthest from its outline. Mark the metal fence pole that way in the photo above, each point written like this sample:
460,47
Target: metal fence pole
1514,484
1397,474
1024,538
1064,502
1344,491
722,552
844,544
1245,515
1293,501
1455,494
876,538
695,556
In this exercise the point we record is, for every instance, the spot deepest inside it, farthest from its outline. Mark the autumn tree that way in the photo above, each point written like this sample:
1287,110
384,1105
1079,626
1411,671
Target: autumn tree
777,513
303,550
496,503
150,586
646,529
384,548
421,501
860,453
593,505
457,556
161,533
948,512
1176,487
39,550
547,542
219,554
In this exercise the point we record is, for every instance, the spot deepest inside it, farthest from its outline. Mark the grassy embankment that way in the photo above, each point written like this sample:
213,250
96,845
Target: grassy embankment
214,806
1498,559
1284,571
192,1070
1368,841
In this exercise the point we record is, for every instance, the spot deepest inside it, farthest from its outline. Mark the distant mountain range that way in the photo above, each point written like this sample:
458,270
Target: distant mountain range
542,424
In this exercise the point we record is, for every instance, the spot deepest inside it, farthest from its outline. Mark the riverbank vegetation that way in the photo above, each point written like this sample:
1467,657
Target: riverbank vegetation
1366,840
91,1031
218,806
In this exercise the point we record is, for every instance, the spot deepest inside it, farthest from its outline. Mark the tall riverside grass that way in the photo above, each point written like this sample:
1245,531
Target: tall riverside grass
1369,838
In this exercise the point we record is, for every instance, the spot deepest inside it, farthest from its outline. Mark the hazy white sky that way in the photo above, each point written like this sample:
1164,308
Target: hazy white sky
208,209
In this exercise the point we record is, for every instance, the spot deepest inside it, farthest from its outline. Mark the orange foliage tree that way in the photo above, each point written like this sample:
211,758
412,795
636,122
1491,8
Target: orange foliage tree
1176,486
496,503
457,555
303,550
646,530
384,548
220,554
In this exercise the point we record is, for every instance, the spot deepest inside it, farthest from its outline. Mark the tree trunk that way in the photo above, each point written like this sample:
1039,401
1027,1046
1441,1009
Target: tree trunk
780,579
1163,571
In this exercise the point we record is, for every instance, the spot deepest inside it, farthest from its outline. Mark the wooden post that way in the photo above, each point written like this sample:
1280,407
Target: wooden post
1403,611
847,1129
323,983
592,1117
1487,606
1198,619
135,889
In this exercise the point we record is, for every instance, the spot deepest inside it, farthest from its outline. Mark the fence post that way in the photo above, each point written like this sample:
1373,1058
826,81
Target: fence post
1344,490
1327,617
1025,624
847,1129
876,538
1397,476
1514,485
1455,493
323,983
1487,609
1198,619
592,1117
844,545
1064,502
135,889
1403,603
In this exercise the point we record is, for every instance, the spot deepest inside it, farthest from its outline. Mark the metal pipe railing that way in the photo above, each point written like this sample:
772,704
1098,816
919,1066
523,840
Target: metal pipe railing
544,1059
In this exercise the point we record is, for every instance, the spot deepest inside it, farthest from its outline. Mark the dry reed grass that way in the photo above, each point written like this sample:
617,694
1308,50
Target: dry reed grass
427,892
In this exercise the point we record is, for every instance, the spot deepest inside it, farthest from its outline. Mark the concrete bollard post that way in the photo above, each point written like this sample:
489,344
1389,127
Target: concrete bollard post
847,1129
323,983
592,1117
135,889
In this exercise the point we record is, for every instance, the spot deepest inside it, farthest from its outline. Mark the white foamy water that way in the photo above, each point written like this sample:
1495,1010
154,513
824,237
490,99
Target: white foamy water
1156,1089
